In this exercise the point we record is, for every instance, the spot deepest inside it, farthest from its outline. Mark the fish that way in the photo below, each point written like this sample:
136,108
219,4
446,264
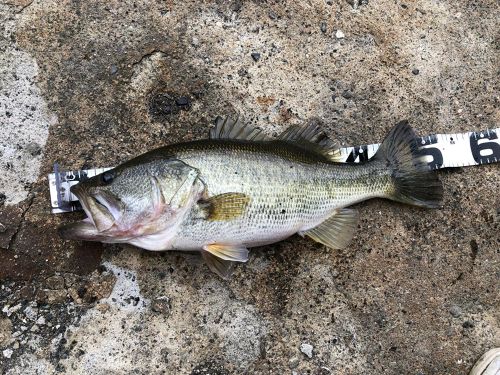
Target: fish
241,188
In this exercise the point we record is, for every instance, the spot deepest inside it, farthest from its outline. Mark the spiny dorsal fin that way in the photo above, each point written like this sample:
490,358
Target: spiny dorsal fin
229,128
312,137
225,207
221,267
336,231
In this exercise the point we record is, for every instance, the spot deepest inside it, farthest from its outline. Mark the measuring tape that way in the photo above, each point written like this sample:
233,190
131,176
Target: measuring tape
438,150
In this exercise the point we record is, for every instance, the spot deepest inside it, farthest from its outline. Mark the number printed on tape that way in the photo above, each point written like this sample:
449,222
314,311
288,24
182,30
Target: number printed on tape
442,150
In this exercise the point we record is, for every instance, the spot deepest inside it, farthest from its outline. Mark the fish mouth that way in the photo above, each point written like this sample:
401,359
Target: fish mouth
103,211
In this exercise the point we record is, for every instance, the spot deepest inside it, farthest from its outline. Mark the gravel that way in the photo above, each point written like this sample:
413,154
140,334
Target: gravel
255,56
307,349
455,311
339,34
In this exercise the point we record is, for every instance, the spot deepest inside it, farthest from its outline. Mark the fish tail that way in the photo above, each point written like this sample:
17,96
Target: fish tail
412,181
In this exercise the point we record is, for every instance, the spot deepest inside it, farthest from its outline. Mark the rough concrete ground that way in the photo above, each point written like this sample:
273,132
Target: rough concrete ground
91,83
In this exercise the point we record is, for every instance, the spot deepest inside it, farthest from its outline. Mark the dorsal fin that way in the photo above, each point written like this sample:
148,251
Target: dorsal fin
312,137
229,128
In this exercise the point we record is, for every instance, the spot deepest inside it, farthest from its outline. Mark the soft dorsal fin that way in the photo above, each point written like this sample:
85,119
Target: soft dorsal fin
229,128
312,137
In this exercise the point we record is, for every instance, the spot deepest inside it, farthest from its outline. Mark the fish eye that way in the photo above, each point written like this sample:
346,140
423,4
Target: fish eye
107,177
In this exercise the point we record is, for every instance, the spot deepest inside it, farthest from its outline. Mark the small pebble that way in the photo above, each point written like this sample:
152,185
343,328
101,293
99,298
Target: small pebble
415,71
455,311
34,149
255,56
322,26
307,349
339,34
30,313
195,42
236,6
242,72
55,282
7,353
347,94
16,345
468,324
293,362
113,69
162,305
272,15
182,101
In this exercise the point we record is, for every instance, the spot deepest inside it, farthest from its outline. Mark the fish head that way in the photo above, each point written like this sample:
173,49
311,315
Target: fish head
134,199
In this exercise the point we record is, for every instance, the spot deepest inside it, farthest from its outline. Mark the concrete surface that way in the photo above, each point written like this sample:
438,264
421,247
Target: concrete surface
90,84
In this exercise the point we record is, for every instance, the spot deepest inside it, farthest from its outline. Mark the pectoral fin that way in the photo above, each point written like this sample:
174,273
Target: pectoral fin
223,268
233,253
336,231
224,207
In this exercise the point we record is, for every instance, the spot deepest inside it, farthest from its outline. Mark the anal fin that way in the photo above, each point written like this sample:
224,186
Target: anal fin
336,231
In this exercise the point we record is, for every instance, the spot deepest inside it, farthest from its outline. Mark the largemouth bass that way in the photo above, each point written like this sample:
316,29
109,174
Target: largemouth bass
241,189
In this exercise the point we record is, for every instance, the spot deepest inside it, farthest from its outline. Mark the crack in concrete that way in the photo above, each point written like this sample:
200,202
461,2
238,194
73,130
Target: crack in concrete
21,221
23,7
144,57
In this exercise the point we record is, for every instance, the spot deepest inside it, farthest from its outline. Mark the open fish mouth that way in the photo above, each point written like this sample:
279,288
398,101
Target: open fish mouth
102,212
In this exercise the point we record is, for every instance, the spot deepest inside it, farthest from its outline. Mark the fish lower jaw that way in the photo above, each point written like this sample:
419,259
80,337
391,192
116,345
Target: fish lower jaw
159,241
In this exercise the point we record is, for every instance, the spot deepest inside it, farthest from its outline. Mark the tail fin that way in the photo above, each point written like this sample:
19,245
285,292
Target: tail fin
414,183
